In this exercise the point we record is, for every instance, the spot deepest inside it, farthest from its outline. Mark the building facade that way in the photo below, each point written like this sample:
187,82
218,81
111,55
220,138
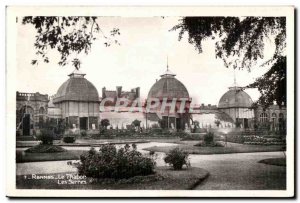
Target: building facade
78,101
112,96
237,104
167,90
272,118
31,111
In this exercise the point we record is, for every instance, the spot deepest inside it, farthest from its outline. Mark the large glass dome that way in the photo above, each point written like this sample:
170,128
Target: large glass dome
168,87
77,88
235,97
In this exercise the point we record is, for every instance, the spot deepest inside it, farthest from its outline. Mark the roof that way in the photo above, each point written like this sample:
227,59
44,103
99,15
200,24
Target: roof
235,97
50,103
168,87
76,88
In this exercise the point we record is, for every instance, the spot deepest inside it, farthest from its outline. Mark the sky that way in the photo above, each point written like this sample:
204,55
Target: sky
140,59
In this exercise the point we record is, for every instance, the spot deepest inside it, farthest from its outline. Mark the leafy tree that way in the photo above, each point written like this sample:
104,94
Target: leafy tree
196,124
136,123
217,122
46,136
240,42
69,36
209,138
104,123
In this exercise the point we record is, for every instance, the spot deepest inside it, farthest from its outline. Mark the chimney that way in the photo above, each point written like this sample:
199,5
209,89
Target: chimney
103,92
119,91
137,92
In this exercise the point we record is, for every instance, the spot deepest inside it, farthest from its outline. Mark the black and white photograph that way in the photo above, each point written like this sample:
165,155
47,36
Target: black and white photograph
150,101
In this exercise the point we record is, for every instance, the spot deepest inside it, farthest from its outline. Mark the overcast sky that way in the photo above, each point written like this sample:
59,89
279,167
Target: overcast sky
138,61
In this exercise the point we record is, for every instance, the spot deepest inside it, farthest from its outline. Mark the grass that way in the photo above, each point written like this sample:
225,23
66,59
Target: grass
25,138
164,179
230,148
274,161
118,140
213,144
42,148
22,156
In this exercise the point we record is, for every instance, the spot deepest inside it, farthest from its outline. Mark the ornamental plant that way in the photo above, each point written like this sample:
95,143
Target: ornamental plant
177,158
110,162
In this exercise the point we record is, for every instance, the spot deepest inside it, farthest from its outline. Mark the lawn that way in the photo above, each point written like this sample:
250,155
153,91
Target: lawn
230,148
22,156
164,179
89,142
274,161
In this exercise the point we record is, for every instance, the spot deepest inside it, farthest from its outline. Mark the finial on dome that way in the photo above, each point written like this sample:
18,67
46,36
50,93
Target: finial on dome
235,85
168,72
234,77
167,63
77,73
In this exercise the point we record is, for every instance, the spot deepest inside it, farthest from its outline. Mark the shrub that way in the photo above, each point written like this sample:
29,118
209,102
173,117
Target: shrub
45,149
191,137
69,139
46,136
111,162
104,123
235,138
180,134
83,133
214,144
177,158
209,138
218,123
136,123
156,131
155,125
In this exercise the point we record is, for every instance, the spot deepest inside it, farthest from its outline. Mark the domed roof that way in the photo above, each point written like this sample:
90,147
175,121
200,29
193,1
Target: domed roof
76,88
168,87
235,97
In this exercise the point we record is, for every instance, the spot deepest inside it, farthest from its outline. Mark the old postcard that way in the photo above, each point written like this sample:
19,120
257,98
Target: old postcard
150,101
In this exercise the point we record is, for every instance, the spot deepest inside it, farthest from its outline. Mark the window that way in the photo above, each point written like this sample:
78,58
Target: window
42,111
281,118
281,115
263,117
274,116
281,122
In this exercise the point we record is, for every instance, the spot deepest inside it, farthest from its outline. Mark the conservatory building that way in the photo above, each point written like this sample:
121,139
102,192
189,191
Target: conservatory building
78,102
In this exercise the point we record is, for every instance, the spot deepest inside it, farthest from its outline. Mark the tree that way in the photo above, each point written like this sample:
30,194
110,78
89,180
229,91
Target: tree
196,125
217,122
136,123
240,42
104,123
69,36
